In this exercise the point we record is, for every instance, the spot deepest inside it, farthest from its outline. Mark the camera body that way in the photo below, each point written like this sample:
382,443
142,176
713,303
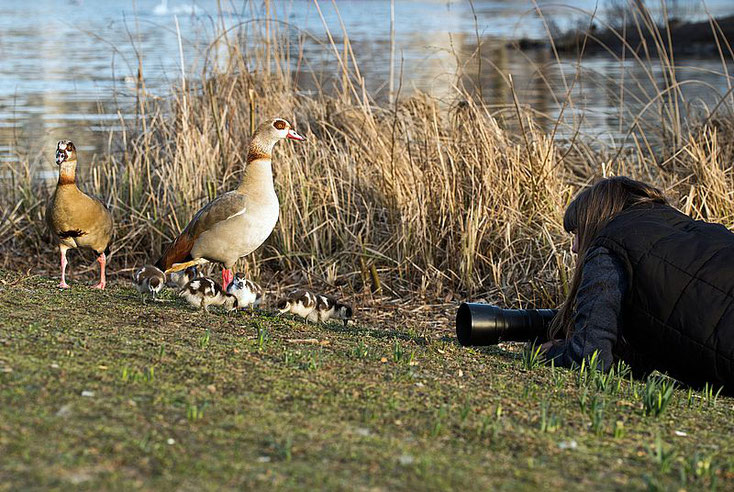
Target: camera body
484,324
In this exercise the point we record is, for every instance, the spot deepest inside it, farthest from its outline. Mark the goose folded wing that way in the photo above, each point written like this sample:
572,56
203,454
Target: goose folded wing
218,210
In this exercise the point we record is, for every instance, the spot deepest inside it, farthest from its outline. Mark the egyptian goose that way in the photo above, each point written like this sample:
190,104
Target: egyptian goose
315,308
149,280
75,218
203,292
181,278
248,293
236,223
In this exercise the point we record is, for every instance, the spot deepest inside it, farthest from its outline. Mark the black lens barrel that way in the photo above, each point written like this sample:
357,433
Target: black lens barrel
484,324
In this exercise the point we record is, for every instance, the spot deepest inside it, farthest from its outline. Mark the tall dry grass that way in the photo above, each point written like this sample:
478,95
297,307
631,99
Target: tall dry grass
415,198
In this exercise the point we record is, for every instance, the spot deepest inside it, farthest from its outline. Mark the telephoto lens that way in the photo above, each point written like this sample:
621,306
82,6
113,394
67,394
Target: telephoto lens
484,324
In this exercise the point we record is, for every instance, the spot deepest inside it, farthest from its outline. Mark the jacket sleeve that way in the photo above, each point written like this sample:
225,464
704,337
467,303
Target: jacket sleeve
598,312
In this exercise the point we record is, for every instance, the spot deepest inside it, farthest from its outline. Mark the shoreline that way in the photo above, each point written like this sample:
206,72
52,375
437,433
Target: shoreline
694,39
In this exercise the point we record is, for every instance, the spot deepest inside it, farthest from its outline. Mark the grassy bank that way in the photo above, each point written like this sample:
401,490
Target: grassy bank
97,390
402,208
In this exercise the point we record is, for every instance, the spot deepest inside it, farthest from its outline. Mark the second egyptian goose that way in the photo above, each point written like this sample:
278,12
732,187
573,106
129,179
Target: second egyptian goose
75,218
236,223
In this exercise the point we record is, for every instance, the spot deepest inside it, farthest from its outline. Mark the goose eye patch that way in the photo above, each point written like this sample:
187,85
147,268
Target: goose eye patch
279,124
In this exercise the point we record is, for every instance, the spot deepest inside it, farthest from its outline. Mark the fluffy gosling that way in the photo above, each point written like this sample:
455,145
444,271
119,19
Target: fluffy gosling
203,292
315,308
178,280
149,280
248,294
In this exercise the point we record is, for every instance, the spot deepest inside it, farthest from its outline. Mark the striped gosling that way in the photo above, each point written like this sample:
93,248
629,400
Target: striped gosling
315,308
248,294
203,292
149,280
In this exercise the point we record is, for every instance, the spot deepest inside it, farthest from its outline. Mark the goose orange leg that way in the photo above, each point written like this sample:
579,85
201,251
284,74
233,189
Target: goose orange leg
227,277
63,284
102,259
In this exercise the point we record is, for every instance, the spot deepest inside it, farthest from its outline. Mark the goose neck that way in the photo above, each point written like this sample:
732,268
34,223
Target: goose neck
67,173
258,175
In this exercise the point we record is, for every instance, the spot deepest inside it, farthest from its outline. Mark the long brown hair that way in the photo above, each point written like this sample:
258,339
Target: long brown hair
587,214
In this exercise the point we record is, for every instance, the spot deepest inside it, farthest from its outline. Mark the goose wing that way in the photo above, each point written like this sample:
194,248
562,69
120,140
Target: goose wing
218,210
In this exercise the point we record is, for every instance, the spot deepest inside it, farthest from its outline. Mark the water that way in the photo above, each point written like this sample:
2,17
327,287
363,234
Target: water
68,68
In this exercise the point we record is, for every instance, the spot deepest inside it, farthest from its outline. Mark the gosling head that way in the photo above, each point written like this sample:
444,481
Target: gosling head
230,302
283,305
156,284
65,152
238,283
343,312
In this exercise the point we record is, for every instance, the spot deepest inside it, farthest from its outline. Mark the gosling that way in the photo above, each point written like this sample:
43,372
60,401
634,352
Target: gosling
178,280
315,308
248,294
149,280
203,292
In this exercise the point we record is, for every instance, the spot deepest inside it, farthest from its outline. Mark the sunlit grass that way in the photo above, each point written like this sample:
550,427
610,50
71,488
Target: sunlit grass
201,397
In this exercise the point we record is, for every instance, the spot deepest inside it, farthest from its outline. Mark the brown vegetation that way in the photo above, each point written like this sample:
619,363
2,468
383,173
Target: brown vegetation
415,199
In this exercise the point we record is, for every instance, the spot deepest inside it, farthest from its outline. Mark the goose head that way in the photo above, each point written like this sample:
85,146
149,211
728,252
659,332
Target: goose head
268,134
65,152
280,129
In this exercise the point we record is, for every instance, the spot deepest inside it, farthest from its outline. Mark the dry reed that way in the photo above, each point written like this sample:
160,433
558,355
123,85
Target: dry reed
413,199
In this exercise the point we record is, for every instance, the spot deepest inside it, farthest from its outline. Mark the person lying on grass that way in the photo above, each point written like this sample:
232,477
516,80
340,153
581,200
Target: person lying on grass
652,287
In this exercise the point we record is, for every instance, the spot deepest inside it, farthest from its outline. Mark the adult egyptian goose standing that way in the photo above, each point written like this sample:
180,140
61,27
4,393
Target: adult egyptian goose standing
236,223
75,218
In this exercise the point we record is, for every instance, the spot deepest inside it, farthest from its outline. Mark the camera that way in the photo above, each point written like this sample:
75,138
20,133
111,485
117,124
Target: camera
484,324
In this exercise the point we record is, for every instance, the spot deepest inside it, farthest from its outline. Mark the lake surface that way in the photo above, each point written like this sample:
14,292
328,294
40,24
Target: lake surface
68,68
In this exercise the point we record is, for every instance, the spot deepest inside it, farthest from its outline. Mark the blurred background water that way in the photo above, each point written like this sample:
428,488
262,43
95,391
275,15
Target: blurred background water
68,68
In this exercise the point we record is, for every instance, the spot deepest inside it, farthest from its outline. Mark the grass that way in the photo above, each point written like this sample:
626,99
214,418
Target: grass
180,399
416,203
658,393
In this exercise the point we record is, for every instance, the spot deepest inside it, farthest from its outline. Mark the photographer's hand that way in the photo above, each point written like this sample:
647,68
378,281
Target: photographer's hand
544,348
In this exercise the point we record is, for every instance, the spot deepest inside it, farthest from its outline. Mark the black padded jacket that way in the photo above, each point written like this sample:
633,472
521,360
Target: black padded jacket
678,308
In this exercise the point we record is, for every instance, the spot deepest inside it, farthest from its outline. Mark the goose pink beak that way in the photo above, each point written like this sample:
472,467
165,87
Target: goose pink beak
295,136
